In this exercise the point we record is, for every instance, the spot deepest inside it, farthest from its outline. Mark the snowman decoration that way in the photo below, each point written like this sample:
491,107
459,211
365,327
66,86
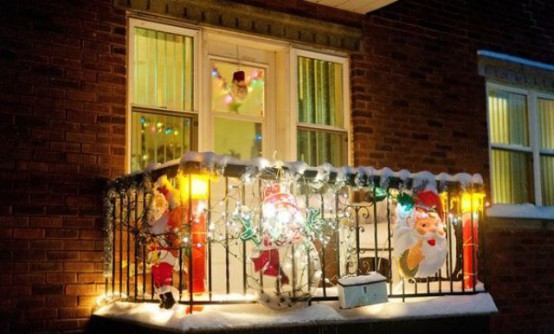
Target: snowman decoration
285,259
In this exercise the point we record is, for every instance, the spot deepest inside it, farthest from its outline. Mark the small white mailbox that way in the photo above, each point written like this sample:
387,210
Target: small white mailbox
362,290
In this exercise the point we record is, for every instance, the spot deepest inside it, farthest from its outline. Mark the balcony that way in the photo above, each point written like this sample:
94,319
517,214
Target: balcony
211,230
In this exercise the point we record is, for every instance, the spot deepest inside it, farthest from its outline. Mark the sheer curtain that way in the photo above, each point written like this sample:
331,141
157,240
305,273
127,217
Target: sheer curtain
546,124
512,172
321,135
162,90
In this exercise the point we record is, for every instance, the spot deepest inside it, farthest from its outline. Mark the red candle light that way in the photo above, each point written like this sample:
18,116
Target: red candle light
471,204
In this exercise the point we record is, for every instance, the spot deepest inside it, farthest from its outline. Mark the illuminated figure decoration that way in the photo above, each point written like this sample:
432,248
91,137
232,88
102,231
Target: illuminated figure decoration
166,219
284,250
239,89
420,236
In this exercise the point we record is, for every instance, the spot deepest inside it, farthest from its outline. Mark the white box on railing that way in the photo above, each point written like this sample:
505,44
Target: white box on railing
362,290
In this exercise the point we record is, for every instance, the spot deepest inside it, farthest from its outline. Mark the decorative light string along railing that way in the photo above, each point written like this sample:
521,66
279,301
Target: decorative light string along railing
209,229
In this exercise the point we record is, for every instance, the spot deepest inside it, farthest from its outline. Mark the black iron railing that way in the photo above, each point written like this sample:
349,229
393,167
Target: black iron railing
236,232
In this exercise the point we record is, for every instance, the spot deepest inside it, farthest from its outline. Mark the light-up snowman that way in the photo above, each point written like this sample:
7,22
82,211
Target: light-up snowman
286,264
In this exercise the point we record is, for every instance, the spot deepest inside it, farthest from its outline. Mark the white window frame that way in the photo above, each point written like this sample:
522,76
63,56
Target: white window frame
534,135
173,29
281,132
345,62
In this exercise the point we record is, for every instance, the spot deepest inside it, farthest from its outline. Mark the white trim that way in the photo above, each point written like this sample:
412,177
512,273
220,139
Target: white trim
347,127
531,96
514,59
280,122
140,23
293,103
534,141
526,210
267,62
328,128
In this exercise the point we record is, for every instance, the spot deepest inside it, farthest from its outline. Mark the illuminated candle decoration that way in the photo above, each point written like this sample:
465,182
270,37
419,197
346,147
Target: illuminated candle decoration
194,191
471,205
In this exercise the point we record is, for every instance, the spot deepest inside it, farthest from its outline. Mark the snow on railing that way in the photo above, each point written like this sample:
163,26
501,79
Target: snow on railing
212,229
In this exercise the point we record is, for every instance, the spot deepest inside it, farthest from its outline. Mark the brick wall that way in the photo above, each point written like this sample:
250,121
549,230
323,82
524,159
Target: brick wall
521,274
62,122
418,103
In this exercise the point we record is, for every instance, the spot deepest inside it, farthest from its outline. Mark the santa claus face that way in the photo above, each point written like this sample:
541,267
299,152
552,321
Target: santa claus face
429,226
420,244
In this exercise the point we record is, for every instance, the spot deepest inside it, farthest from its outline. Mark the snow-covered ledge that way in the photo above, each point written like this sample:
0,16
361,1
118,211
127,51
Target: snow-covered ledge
251,316
526,211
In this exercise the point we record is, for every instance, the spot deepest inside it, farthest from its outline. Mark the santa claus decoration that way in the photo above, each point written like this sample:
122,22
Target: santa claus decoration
419,242
166,219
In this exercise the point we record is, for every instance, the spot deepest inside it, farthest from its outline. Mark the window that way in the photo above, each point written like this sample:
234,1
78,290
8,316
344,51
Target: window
521,134
322,104
231,95
162,93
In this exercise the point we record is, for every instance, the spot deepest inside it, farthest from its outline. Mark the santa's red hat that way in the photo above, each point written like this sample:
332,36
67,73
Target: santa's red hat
429,201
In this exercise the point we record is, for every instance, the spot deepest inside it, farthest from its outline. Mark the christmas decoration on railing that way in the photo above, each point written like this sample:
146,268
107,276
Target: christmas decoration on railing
471,206
420,235
280,217
241,85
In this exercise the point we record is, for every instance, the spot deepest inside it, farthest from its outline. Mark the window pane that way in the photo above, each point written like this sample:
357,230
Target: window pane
158,138
512,177
163,70
546,123
320,85
547,180
240,139
508,118
237,88
316,148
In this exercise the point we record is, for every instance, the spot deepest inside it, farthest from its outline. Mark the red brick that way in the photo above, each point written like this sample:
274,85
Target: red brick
87,301
74,313
62,301
85,245
46,266
29,278
81,96
42,313
63,325
91,278
61,278
81,289
28,233
45,222
62,233
47,244
78,267
59,255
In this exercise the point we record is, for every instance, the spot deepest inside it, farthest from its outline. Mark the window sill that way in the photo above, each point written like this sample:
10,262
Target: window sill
528,211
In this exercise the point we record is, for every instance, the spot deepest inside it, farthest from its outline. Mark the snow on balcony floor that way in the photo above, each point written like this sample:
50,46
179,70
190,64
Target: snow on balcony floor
239,316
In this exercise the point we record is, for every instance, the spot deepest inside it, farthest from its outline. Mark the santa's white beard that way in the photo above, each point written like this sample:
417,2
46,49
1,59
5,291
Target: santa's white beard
435,256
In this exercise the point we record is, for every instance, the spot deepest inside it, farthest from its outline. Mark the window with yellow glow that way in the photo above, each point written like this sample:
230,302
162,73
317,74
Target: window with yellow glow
162,95
322,136
521,135
238,101
200,89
